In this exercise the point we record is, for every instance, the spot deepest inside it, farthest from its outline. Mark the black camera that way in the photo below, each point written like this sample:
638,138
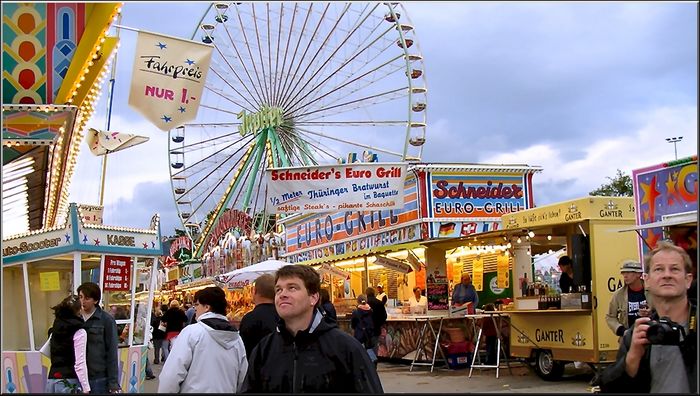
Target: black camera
665,332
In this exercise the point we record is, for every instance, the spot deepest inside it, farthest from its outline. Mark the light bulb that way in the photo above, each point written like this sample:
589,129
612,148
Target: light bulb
549,237
531,234
519,240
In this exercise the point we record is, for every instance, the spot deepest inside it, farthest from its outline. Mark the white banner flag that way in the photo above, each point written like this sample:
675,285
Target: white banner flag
168,78
332,188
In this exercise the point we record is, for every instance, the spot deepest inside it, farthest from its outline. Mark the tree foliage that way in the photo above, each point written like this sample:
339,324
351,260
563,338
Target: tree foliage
619,186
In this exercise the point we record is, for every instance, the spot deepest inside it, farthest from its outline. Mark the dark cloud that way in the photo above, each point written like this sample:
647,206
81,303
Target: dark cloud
570,72
148,199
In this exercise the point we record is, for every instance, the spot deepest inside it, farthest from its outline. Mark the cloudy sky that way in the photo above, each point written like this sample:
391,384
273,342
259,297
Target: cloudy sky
581,89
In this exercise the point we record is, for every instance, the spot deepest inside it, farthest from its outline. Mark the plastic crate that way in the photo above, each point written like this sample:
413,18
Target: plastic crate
457,361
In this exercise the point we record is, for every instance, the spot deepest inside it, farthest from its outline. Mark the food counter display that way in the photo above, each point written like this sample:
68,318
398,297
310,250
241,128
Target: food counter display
240,302
556,329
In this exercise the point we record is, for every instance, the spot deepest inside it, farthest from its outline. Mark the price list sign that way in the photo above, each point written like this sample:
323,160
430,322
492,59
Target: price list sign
117,275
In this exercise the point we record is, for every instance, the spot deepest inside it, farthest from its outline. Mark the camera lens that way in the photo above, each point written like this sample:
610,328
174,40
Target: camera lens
655,333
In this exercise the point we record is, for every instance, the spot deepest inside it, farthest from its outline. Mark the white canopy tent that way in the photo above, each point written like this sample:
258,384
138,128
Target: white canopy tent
247,275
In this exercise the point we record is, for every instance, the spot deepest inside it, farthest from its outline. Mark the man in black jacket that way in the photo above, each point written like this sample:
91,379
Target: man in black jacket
307,353
262,320
644,364
102,356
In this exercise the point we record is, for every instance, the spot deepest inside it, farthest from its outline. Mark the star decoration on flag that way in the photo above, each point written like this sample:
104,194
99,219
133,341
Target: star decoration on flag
161,45
671,190
145,245
166,118
153,244
97,241
182,109
85,239
67,238
650,194
189,62
652,238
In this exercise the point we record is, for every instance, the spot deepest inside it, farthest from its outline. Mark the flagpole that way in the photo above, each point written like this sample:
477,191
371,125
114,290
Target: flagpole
109,114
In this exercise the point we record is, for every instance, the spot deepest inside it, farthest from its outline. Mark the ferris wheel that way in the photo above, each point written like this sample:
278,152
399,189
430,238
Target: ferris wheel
295,84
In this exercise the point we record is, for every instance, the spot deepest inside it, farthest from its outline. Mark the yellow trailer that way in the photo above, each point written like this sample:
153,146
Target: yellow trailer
587,229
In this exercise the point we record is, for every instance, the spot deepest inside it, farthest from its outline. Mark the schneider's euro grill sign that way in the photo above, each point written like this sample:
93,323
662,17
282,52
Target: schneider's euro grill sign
332,188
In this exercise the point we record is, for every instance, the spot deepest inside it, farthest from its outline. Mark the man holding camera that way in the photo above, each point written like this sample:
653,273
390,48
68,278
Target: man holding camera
658,353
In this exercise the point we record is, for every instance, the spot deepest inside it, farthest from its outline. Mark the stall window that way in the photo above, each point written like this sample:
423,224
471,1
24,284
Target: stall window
50,281
90,268
141,314
15,326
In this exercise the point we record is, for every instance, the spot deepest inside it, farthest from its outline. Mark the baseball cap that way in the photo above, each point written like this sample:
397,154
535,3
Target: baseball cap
631,266
380,285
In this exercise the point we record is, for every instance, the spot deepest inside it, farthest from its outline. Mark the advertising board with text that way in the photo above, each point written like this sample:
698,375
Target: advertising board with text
324,230
117,275
481,197
330,188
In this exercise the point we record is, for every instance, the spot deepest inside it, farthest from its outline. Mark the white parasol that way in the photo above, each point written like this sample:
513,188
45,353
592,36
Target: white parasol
247,275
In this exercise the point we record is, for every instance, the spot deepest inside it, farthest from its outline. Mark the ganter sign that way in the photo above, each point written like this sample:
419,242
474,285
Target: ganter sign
334,188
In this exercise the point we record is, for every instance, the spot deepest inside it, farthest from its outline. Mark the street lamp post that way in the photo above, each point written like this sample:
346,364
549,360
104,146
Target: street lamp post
675,140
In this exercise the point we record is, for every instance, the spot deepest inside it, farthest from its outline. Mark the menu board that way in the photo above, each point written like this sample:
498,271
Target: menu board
437,295
117,275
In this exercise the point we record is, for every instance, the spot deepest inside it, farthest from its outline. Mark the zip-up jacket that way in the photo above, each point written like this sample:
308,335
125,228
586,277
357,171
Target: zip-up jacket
321,358
207,357
102,355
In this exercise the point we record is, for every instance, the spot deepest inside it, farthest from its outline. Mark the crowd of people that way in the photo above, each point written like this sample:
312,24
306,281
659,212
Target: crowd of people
291,342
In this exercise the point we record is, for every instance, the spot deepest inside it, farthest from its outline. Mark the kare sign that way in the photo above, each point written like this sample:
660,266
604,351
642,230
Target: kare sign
167,79
117,276
332,188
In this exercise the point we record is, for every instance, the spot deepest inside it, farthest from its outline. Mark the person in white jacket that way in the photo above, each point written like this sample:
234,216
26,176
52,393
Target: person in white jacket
208,356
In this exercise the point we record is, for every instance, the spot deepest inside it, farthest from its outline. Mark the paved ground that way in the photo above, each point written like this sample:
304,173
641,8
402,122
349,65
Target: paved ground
396,378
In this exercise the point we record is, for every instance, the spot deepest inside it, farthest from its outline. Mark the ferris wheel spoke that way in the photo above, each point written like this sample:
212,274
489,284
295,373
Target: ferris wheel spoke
280,88
250,53
366,146
364,82
323,46
227,82
218,109
269,51
316,74
295,138
290,141
275,76
303,56
294,92
221,163
257,95
356,101
296,106
262,62
226,97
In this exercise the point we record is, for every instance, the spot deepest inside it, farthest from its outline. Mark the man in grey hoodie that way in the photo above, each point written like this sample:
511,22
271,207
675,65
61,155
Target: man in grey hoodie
208,356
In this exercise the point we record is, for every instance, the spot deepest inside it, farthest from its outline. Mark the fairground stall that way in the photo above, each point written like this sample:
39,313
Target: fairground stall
357,249
42,267
666,203
546,325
